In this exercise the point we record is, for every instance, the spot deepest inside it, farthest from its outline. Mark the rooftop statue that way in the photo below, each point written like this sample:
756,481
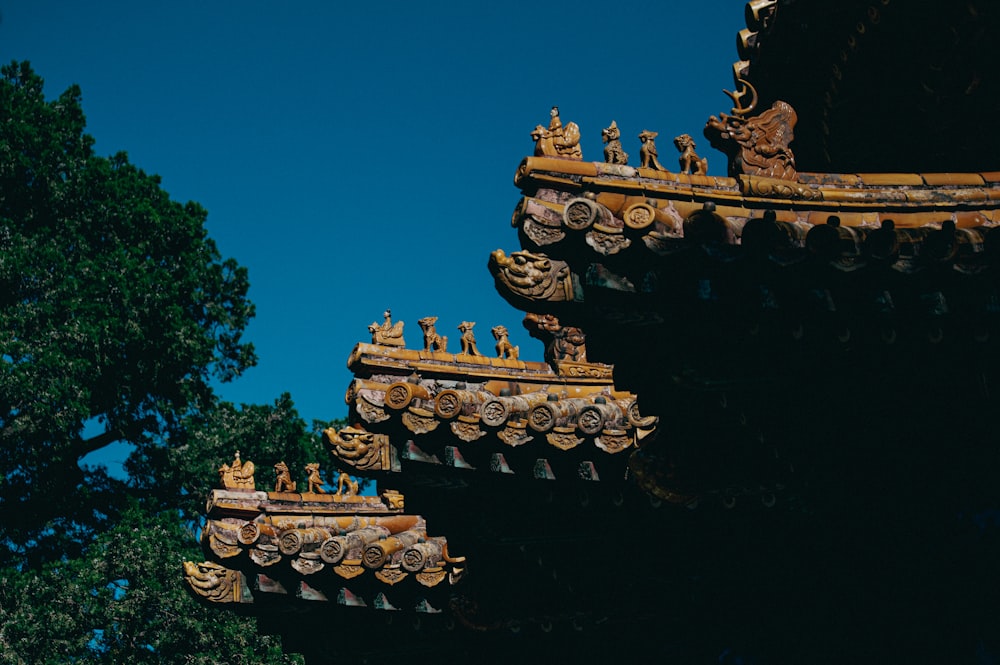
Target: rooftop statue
432,340
238,475
468,338
283,478
387,333
689,160
557,140
314,479
504,348
648,151
561,342
613,151
757,145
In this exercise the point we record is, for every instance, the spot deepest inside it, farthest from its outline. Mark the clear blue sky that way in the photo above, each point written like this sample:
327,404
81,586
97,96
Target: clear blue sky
357,156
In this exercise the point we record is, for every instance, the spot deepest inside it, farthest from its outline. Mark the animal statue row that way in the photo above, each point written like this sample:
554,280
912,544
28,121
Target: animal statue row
564,141
346,486
391,334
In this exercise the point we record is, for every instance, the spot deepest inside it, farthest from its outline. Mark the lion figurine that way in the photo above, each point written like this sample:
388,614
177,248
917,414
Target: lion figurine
283,478
613,151
432,340
504,348
689,160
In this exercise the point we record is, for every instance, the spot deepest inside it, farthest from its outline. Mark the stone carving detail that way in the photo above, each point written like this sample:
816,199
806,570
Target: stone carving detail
314,479
648,151
605,243
580,213
779,189
283,478
563,438
467,431
504,348
346,486
613,152
533,276
213,582
757,145
468,338
689,160
238,475
394,499
561,342
432,340
431,577
419,421
557,140
358,448
371,413
387,333
639,216
514,434
613,441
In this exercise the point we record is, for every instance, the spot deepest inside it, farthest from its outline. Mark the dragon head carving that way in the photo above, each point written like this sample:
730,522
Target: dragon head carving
358,448
533,276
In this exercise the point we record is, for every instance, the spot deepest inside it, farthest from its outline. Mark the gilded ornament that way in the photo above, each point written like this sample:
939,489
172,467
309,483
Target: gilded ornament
346,486
370,412
349,570
563,438
561,342
390,575
607,244
333,549
779,189
307,566
613,441
689,160
213,582
514,434
265,557
557,140
468,338
758,145
222,549
432,340
639,216
394,499
533,276
283,478
420,422
238,475
504,348
432,577
580,213
387,333
466,431
648,151
613,151
361,449
249,533
541,234
314,479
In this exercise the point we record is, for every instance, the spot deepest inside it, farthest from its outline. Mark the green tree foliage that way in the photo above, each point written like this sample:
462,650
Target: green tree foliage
122,603
117,313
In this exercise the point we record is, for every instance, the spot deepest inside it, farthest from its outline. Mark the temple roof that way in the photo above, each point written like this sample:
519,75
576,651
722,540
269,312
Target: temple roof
497,414
343,548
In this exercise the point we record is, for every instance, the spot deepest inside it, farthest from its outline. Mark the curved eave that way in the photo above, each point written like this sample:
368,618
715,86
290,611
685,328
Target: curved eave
314,547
